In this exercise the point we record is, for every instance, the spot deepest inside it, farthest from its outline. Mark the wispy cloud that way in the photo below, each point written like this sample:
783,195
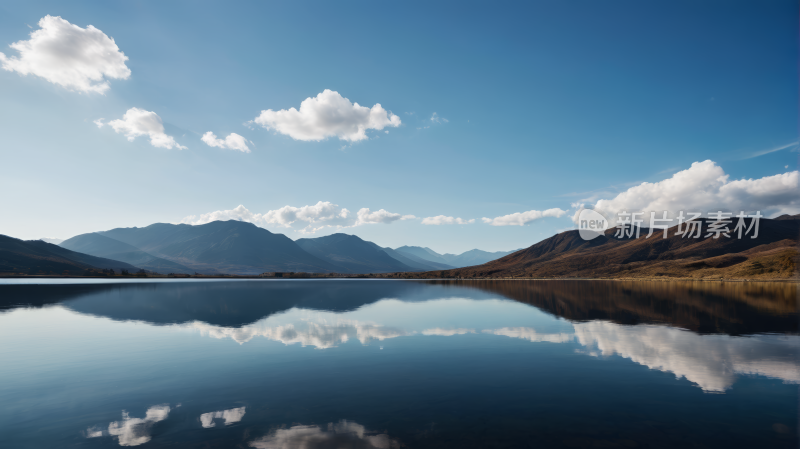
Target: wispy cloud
445,220
523,218
772,150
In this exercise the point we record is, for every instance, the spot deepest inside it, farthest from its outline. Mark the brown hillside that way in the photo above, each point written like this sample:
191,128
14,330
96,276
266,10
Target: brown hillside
773,255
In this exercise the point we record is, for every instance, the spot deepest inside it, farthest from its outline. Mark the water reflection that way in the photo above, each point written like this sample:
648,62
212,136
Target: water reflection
607,318
321,335
733,308
231,416
466,364
340,435
710,361
132,431
530,334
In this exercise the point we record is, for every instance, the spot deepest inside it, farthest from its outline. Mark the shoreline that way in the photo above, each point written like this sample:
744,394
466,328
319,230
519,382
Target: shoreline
795,280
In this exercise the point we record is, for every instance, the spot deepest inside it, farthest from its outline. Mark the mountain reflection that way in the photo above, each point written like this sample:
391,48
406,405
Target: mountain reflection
690,329
733,308
704,307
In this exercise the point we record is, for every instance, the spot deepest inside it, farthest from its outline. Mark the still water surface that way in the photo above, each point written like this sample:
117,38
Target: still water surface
385,364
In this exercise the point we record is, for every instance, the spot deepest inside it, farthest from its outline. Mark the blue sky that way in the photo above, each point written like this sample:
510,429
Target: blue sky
547,104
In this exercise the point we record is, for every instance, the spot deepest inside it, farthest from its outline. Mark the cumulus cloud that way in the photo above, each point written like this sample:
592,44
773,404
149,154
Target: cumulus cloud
232,142
79,59
138,122
365,216
230,416
323,212
132,431
314,217
530,334
327,115
523,218
342,434
445,220
704,187
710,361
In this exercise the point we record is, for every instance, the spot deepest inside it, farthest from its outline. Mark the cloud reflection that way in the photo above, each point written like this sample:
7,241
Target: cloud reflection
342,434
132,431
322,335
530,334
710,361
230,416
447,332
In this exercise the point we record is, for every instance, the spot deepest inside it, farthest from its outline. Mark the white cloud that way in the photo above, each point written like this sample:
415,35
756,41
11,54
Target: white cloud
710,361
138,122
523,218
327,115
79,59
230,416
530,334
315,217
704,187
436,119
132,431
232,142
342,434
365,216
322,212
772,150
445,220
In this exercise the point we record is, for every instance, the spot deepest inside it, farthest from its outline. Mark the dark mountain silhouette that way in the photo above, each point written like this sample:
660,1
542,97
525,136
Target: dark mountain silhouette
231,247
101,246
36,256
353,254
771,255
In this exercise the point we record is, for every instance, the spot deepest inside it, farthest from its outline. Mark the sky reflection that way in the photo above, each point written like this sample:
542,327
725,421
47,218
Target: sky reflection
712,362
363,366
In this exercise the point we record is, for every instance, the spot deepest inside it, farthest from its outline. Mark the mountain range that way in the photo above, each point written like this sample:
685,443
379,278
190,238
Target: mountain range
772,255
235,247
36,256
466,259
240,248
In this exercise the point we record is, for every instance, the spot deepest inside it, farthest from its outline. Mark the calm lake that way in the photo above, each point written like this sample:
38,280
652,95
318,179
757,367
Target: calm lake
384,364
